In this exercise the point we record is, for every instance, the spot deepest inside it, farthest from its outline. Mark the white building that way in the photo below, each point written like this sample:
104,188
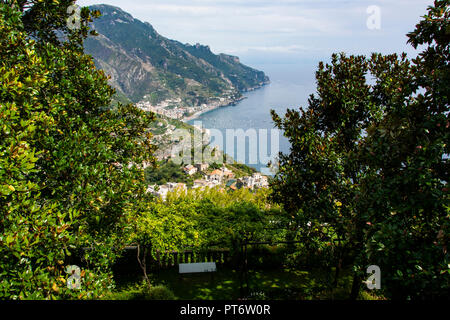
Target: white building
216,175
203,184
160,191
202,166
255,181
190,169
200,184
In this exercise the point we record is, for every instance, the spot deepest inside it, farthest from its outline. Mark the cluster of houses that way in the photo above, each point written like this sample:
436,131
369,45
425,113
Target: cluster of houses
219,177
213,179
162,191
257,180
174,108
168,108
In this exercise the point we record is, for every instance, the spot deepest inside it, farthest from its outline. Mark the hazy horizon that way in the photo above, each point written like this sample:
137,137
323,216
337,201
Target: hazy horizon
284,31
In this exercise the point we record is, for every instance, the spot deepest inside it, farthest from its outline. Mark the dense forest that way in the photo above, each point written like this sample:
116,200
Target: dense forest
365,182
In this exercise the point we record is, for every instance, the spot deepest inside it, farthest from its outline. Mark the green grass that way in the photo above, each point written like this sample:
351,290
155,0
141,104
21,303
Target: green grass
140,291
277,284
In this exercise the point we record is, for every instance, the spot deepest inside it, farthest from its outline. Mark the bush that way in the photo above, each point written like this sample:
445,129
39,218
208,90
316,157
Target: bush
65,183
159,293
265,257
141,291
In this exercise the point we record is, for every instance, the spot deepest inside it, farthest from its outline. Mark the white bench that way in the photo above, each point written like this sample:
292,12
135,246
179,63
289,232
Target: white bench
197,267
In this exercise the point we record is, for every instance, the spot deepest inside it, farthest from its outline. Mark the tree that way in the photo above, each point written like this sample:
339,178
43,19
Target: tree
242,218
409,178
201,220
317,182
160,228
70,172
361,149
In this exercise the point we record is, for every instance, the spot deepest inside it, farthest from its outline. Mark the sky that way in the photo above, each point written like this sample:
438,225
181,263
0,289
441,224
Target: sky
282,31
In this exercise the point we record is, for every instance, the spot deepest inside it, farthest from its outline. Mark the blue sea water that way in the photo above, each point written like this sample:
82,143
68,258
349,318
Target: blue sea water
290,87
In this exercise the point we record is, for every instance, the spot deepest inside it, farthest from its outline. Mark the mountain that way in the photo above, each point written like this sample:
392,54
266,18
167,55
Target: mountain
145,66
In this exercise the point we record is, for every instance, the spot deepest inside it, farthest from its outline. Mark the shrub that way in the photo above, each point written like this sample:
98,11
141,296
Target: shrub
158,293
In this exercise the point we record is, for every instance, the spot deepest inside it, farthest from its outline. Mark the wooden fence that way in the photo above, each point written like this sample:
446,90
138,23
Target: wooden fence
128,262
172,259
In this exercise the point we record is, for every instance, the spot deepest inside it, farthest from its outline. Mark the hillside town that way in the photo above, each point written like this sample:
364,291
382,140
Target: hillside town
223,178
176,109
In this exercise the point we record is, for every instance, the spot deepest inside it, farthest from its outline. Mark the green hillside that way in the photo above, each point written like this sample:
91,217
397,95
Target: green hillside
144,65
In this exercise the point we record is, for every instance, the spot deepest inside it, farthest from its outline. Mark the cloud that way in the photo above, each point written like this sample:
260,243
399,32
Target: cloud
280,26
177,9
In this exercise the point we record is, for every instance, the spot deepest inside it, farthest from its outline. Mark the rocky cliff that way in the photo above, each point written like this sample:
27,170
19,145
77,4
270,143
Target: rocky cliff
145,66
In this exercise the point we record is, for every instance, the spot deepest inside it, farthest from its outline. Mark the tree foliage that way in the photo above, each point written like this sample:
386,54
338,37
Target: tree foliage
369,158
69,166
205,219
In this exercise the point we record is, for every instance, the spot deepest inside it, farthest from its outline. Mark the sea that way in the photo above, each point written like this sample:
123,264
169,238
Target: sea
237,126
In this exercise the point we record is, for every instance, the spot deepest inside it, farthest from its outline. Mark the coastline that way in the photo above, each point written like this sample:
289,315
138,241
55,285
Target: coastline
211,108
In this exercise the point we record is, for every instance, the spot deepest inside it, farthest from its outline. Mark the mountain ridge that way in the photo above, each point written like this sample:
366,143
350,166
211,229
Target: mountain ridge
158,72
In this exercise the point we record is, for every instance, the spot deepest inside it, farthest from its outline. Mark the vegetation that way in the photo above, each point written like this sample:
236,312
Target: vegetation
365,182
264,284
200,220
141,291
167,172
214,216
368,170
65,183
174,70
244,169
